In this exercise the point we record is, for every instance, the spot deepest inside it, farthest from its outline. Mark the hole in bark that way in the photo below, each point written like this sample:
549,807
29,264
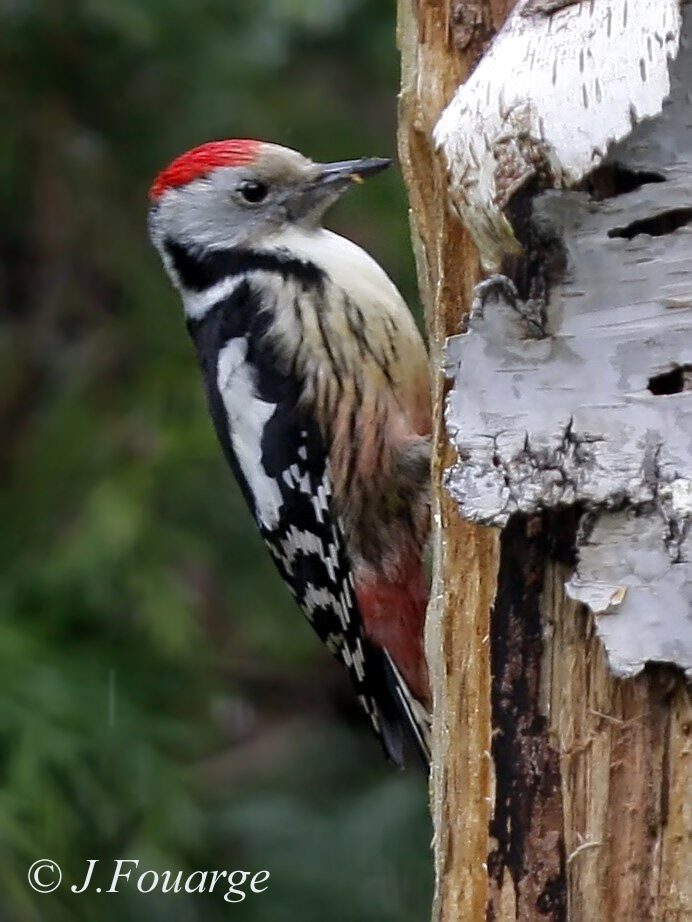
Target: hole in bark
664,223
543,261
614,179
675,381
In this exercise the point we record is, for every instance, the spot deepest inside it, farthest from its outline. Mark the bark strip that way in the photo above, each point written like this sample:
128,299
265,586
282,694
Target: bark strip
558,790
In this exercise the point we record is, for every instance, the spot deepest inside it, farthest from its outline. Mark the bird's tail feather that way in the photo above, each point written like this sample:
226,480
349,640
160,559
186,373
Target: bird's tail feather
404,723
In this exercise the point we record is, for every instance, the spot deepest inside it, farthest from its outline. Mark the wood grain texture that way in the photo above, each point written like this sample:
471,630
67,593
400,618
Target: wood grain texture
439,45
625,752
558,791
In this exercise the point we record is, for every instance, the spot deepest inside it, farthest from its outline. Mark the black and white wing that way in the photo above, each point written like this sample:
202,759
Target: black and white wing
278,456
309,550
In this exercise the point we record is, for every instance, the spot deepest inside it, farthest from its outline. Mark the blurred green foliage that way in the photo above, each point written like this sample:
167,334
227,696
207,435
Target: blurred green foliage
161,697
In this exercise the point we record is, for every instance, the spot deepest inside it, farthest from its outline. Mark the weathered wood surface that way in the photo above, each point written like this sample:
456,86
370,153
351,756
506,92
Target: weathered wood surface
559,791
440,41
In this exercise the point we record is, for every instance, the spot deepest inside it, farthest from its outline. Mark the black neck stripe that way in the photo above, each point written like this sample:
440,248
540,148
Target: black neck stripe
200,270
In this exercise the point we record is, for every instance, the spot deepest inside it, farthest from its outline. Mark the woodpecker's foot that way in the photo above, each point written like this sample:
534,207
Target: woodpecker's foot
500,293
498,289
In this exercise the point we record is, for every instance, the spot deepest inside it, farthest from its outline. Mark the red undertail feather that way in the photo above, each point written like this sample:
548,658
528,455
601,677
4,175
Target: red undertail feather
200,160
393,612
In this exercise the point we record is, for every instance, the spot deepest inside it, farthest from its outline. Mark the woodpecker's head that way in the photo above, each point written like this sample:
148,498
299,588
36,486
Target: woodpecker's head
237,193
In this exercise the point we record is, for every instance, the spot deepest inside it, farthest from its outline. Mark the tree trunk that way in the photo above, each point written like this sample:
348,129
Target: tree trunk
552,144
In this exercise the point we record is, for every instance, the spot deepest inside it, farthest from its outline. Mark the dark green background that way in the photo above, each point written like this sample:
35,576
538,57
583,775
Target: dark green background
160,696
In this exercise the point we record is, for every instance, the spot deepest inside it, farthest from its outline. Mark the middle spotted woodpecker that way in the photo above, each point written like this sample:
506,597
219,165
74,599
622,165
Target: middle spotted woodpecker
317,383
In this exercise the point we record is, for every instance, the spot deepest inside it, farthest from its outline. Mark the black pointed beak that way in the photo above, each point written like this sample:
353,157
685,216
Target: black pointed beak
343,171
308,202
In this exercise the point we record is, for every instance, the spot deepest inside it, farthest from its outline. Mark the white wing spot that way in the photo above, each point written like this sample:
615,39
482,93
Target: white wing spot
359,660
300,542
318,598
318,509
333,642
304,484
344,616
247,417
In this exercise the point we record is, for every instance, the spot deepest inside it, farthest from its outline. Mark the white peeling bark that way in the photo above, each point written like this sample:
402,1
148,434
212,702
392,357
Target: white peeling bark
560,790
554,400
550,96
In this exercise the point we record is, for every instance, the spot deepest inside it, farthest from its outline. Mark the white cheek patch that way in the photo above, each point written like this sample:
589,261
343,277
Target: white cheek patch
247,418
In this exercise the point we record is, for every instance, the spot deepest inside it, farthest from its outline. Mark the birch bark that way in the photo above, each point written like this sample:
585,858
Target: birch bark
553,146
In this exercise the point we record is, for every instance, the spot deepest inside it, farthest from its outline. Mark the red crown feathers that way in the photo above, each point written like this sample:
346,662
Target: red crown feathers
200,160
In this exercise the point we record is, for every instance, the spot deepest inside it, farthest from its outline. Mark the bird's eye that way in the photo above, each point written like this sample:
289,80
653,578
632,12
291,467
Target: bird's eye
253,192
